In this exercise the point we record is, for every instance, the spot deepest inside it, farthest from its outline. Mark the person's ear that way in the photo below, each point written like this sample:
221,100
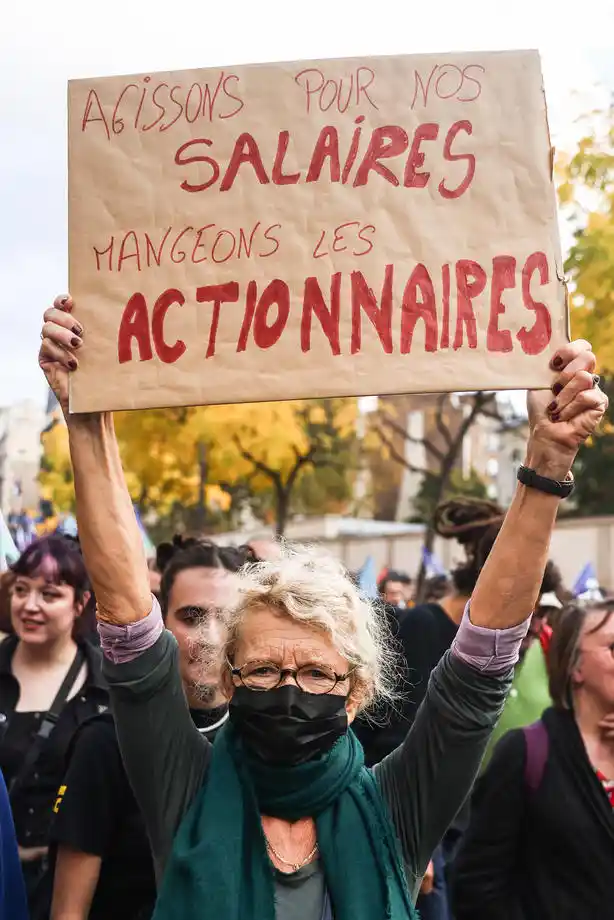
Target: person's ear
352,704
577,675
82,604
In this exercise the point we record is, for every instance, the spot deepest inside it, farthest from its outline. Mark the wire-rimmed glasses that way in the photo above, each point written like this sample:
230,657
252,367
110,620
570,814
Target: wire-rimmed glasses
266,675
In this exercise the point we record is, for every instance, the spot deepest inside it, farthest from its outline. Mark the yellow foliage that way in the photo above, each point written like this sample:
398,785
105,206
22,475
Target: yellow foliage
586,193
162,449
55,478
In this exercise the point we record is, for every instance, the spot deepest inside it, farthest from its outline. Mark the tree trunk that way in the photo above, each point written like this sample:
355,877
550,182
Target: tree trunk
282,508
429,534
202,482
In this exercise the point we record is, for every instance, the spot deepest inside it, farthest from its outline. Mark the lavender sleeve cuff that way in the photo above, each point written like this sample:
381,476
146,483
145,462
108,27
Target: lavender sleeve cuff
492,651
121,644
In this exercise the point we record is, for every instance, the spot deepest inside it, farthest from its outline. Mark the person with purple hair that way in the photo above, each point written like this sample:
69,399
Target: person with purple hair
50,682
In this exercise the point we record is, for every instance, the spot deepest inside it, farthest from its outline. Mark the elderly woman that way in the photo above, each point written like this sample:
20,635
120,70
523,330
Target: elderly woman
280,819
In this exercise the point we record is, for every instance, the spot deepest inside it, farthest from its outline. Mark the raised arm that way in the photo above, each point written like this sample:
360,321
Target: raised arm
427,778
108,531
509,583
164,754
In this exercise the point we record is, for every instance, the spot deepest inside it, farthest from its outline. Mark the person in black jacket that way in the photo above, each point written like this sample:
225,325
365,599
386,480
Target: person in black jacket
540,844
425,634
100,854
44,664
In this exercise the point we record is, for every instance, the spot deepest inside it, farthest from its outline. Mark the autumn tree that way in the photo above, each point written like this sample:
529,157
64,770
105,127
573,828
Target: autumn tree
444,432
55,477
594,490
586,193
312,466
197,467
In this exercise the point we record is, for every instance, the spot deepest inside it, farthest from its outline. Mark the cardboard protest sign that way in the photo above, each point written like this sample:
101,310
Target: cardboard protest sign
342,227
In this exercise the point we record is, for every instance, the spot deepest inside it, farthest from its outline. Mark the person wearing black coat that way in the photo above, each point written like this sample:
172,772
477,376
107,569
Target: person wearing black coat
540,843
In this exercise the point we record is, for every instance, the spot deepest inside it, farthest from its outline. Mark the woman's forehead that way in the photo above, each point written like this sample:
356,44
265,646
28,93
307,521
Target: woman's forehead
42,576
203,587
267,632
598,628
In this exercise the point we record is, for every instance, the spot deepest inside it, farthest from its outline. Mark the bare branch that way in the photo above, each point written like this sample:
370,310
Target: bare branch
423,442
442,428
266,470
301,461
394,453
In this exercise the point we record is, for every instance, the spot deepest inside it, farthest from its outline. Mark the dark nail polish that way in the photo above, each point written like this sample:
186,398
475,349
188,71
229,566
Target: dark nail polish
557,363
552,407
75,342
79,331
72,364
555,416
556,389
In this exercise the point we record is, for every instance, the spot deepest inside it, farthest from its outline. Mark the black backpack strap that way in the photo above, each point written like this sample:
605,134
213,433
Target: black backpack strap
48,723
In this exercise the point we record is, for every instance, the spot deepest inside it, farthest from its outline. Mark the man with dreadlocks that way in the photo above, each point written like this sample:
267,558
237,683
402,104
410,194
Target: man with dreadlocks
98,830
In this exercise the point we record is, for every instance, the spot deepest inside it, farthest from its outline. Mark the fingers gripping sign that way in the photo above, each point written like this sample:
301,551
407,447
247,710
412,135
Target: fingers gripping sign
561,420
61,339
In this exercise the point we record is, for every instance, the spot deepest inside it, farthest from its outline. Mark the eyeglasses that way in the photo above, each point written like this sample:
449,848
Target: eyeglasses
265,675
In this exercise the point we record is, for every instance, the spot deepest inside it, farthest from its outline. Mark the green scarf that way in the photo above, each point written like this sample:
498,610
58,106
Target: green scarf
219,868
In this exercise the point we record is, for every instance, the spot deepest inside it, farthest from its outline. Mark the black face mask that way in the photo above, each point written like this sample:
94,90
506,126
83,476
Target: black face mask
287,726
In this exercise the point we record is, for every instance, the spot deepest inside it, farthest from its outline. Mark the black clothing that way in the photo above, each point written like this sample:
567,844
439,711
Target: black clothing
424,633
545,854
34,798
97,814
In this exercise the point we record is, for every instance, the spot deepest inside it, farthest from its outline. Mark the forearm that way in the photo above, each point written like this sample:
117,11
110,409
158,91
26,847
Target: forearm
75,881
108,531
508,587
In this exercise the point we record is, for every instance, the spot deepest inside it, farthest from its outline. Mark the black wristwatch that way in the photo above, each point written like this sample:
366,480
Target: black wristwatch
533,480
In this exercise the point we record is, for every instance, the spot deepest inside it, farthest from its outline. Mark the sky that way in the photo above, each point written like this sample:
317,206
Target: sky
43,44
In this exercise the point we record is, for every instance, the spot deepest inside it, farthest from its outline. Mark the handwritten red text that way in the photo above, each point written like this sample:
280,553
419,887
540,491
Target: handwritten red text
138,251
387,147
153,106
447,81
324,312
323,93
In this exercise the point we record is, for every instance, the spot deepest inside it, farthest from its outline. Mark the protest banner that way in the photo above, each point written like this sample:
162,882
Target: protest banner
340,227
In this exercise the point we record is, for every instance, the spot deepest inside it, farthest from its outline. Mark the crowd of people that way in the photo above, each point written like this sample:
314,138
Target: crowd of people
175,736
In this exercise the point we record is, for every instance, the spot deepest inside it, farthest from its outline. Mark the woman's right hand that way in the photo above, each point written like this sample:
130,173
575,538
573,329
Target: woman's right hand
61,336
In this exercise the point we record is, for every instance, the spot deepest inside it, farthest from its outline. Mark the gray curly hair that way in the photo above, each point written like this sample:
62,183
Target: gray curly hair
310,586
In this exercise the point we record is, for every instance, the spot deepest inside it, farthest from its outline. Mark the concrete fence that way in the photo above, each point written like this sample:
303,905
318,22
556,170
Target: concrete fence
575,542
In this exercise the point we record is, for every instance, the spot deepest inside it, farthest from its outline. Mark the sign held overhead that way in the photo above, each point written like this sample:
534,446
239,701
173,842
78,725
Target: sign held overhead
342,227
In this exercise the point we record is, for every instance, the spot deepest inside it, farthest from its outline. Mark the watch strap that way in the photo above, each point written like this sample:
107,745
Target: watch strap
532,479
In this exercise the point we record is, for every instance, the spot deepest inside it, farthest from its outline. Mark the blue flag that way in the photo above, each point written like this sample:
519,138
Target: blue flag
432,563
150,549
586,581
367,578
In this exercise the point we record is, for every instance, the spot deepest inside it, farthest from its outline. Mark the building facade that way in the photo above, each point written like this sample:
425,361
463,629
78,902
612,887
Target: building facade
20,452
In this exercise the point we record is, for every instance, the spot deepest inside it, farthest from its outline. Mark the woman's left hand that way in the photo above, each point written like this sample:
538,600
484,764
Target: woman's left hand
563,418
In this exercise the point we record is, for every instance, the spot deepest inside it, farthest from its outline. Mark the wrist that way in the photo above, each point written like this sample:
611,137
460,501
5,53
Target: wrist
551,465
88,421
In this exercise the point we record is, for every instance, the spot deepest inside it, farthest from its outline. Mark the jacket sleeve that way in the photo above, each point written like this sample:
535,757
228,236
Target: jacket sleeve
164,754
426,780
484,880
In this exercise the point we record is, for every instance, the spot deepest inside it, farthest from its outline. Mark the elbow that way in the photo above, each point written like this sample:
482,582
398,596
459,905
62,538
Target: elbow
123,609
